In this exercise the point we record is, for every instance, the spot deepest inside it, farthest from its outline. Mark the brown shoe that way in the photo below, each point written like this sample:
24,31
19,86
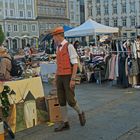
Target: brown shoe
62,126
82,119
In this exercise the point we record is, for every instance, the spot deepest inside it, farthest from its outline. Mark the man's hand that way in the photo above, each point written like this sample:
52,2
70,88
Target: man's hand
72,84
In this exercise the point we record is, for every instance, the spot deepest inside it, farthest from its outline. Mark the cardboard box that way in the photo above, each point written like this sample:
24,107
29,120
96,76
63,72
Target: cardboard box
53,108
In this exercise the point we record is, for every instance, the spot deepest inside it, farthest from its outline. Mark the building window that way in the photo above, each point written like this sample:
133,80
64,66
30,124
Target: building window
98,11
47,26
58,11
11,1
133,21
132,7
106,10
125,35
15,28
6,3
77,7
24,28
11,13
8,28
71,5
107,22
21,1
72,16
124,22
97,1
115,9
0,11
98,20
55,25
124,8
115,22
34,28
43,10
6,13
29,1
90,12
133,35
51,11
29,14
62,11
42,26
50,26
77,18
21,13
106,1
139,6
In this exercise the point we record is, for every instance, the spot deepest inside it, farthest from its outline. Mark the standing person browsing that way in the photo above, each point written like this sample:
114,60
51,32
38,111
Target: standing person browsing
65,78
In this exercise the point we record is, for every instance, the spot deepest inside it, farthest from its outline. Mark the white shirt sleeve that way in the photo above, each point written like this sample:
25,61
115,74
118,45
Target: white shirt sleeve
73,54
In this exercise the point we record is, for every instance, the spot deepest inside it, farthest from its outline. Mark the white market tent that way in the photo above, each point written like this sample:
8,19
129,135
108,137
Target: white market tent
90,27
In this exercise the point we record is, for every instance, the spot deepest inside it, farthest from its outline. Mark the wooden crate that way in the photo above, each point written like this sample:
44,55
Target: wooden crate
53,108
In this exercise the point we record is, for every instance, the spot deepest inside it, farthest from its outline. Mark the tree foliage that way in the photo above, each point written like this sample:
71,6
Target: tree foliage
2,37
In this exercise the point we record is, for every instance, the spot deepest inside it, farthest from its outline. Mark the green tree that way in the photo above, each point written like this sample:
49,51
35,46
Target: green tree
2,37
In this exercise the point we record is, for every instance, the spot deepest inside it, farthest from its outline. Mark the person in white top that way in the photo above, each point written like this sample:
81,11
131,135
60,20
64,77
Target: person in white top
138,45
67,64
27,52
138,50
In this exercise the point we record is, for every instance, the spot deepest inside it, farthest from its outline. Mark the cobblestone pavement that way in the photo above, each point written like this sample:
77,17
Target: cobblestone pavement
112,114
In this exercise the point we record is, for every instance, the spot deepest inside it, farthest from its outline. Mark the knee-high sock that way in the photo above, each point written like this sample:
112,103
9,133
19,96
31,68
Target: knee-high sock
77,108
64,113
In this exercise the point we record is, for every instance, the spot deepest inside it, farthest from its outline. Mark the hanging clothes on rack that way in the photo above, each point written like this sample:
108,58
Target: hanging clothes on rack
112,73
132,64
115,64
138,54
137,51
125,66
122,79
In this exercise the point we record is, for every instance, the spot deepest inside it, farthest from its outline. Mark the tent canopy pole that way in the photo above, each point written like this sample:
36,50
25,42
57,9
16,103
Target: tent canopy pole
95,38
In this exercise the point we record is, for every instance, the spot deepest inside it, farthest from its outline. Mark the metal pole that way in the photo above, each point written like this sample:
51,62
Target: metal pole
95,38
136,24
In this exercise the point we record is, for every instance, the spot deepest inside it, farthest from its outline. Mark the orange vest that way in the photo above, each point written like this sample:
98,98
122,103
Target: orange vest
63,61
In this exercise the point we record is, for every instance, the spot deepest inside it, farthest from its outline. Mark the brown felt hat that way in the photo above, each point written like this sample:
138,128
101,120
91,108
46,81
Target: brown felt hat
57,30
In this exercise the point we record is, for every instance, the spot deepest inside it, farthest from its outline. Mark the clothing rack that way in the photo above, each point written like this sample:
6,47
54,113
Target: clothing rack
122,38
119,51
